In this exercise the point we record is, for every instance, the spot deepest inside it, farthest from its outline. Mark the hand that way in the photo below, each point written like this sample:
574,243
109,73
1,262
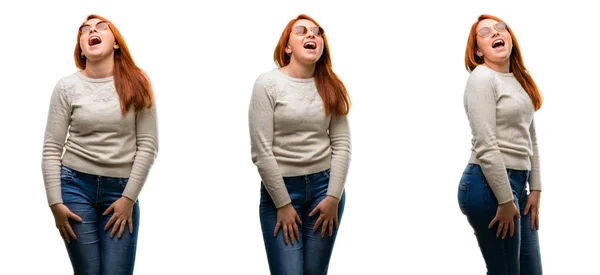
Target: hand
286,220
533,205
61,217
123,209
328,217
505,215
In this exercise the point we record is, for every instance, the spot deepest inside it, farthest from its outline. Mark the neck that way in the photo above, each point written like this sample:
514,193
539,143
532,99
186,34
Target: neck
299,70
99,68
501,67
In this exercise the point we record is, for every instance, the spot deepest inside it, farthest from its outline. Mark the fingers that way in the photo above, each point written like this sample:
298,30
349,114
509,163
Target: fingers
318,223
122,228
277,226
285,234
70,231
63,232
518,215
73,216
512,229
291,233
130,226
115,228
298,220
331,228
110,222
337,223
296,232
499,230
324,228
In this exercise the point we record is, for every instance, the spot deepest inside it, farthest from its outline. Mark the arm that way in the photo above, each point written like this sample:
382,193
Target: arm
339,133
147,149
57,125
260,117
535,182
480,99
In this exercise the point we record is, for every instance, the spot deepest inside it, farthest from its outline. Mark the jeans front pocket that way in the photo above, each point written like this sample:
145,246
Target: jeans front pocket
463,196
66,175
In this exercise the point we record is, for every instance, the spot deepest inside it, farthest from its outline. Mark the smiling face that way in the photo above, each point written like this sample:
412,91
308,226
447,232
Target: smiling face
494,43
305,44
97,42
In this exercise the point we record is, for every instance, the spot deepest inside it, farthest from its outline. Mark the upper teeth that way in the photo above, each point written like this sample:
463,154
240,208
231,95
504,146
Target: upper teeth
310,43
497,41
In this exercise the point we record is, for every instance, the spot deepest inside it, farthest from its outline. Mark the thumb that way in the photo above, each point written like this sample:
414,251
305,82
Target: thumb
527,207
109,209
518,215
73,216
298,220
312,213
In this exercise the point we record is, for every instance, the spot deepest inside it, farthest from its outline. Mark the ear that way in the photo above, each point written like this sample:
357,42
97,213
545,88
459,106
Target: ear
288,50
116,46
479,53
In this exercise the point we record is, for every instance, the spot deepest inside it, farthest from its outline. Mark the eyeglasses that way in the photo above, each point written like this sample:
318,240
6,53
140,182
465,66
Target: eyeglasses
486,31
100,26
302,30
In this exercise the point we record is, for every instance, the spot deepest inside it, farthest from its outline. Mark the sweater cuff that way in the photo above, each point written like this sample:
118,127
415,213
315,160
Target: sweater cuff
503,193
54,195
335,190
534,183
280,197
132,191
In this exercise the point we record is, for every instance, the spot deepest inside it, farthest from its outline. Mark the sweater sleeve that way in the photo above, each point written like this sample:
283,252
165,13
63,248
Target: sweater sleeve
480,100
339,134
146,129
260,117
535,182
57,125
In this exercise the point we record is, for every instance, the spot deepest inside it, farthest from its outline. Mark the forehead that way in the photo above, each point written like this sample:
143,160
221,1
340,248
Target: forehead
486,23
92,21
304,22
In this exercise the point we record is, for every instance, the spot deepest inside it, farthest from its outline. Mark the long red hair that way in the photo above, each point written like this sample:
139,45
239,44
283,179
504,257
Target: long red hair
517,67
131,83
331,89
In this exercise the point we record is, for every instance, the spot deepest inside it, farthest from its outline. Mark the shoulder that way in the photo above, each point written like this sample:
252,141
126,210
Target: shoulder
481,77
266,81
66,84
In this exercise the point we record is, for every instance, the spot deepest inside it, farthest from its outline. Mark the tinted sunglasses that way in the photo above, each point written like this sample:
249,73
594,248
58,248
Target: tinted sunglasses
486,31
100,26
303,30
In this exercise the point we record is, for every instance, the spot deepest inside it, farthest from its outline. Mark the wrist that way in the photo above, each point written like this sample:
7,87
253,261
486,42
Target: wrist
128,199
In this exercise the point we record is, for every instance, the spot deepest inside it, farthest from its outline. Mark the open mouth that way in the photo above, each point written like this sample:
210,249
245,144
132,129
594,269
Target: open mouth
94,40
498,43
310,45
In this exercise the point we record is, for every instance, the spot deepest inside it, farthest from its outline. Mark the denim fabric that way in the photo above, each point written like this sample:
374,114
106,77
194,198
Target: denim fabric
94,252
311,254
517,255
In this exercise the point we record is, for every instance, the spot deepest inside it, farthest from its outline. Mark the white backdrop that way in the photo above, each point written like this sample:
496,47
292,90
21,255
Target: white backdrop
403,67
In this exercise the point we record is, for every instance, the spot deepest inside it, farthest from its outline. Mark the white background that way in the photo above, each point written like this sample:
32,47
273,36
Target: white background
403,67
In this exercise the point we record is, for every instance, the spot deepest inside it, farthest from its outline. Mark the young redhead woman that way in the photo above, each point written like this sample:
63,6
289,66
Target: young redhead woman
500,100
301,147
107,111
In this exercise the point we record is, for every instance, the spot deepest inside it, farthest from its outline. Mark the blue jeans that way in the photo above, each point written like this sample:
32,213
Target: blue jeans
311,254
515,255
94,252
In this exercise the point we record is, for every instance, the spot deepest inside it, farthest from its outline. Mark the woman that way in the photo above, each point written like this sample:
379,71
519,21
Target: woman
301,147
500,100
107,109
